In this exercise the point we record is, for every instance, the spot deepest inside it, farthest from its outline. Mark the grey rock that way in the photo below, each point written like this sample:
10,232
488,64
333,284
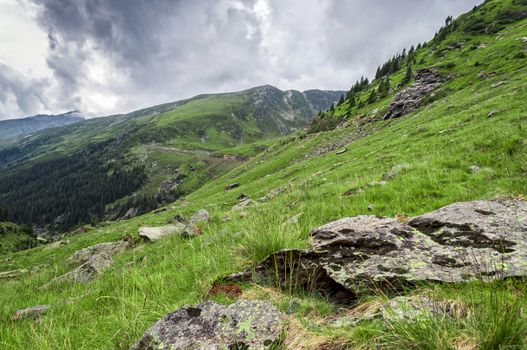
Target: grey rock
86,272
57,244
499,83
272,194
344,150
244,204
232,186
109,248
474,169
32,312
131,213
408,100
201,216
458,243
243,325
396,170
178,218
294,219
492,113
12,273
156,233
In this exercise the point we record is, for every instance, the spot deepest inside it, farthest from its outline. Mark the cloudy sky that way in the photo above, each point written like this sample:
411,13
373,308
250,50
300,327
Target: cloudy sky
105,57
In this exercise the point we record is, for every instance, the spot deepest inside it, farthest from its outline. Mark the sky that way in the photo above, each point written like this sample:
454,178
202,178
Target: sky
106,57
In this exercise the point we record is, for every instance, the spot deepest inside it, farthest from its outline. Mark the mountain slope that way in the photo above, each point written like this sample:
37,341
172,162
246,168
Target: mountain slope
466,143
19,127
133,163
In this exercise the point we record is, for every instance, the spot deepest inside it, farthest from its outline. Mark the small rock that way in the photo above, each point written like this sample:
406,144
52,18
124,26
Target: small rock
344,150
474,169
178,218
232,186
244,204
377,183
272,194
294,219
371,207
156,233
12,273
396,170
524,39
30,312
242,197
492,113
243,325
57,244
160,210
201,216
499,83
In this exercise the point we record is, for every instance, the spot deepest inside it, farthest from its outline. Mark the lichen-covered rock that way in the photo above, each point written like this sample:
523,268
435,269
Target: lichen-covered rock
243,325
110,248
410,99
30,312
457,243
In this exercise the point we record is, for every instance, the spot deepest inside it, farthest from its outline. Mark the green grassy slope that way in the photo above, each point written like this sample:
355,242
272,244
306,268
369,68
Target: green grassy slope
181,143
440,142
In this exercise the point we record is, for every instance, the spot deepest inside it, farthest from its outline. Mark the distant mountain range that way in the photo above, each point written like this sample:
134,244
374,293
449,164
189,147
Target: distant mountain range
20,127
127,164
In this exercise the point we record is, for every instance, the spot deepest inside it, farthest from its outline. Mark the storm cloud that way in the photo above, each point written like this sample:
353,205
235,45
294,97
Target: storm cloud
116,56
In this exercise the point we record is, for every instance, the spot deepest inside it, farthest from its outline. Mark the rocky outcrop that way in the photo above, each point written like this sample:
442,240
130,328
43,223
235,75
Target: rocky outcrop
243,325
109,248
85,272
408,100
94,260
458,243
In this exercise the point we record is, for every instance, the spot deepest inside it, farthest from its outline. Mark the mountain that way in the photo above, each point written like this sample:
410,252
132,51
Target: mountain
383,162
122,165
20,127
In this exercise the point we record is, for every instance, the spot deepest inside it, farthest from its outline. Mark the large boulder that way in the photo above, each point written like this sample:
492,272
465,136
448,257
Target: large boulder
458,243
243,325
410,99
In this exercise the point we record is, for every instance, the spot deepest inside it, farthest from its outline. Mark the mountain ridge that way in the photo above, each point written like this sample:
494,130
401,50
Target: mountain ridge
13,128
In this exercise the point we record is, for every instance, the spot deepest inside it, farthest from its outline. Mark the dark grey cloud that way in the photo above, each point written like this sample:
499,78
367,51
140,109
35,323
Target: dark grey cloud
19,94
118,55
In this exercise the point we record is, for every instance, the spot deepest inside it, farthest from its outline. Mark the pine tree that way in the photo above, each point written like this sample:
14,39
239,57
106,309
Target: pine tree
409,75
341,101
372,98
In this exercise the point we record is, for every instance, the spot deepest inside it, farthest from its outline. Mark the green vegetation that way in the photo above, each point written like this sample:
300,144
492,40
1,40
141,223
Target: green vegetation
477,120
103,168
14,238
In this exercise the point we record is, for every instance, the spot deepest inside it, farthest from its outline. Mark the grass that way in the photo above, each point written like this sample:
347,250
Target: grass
440,143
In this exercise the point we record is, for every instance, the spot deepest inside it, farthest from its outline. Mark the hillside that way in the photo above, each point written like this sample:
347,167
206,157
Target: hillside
14,128
128,164
465,139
